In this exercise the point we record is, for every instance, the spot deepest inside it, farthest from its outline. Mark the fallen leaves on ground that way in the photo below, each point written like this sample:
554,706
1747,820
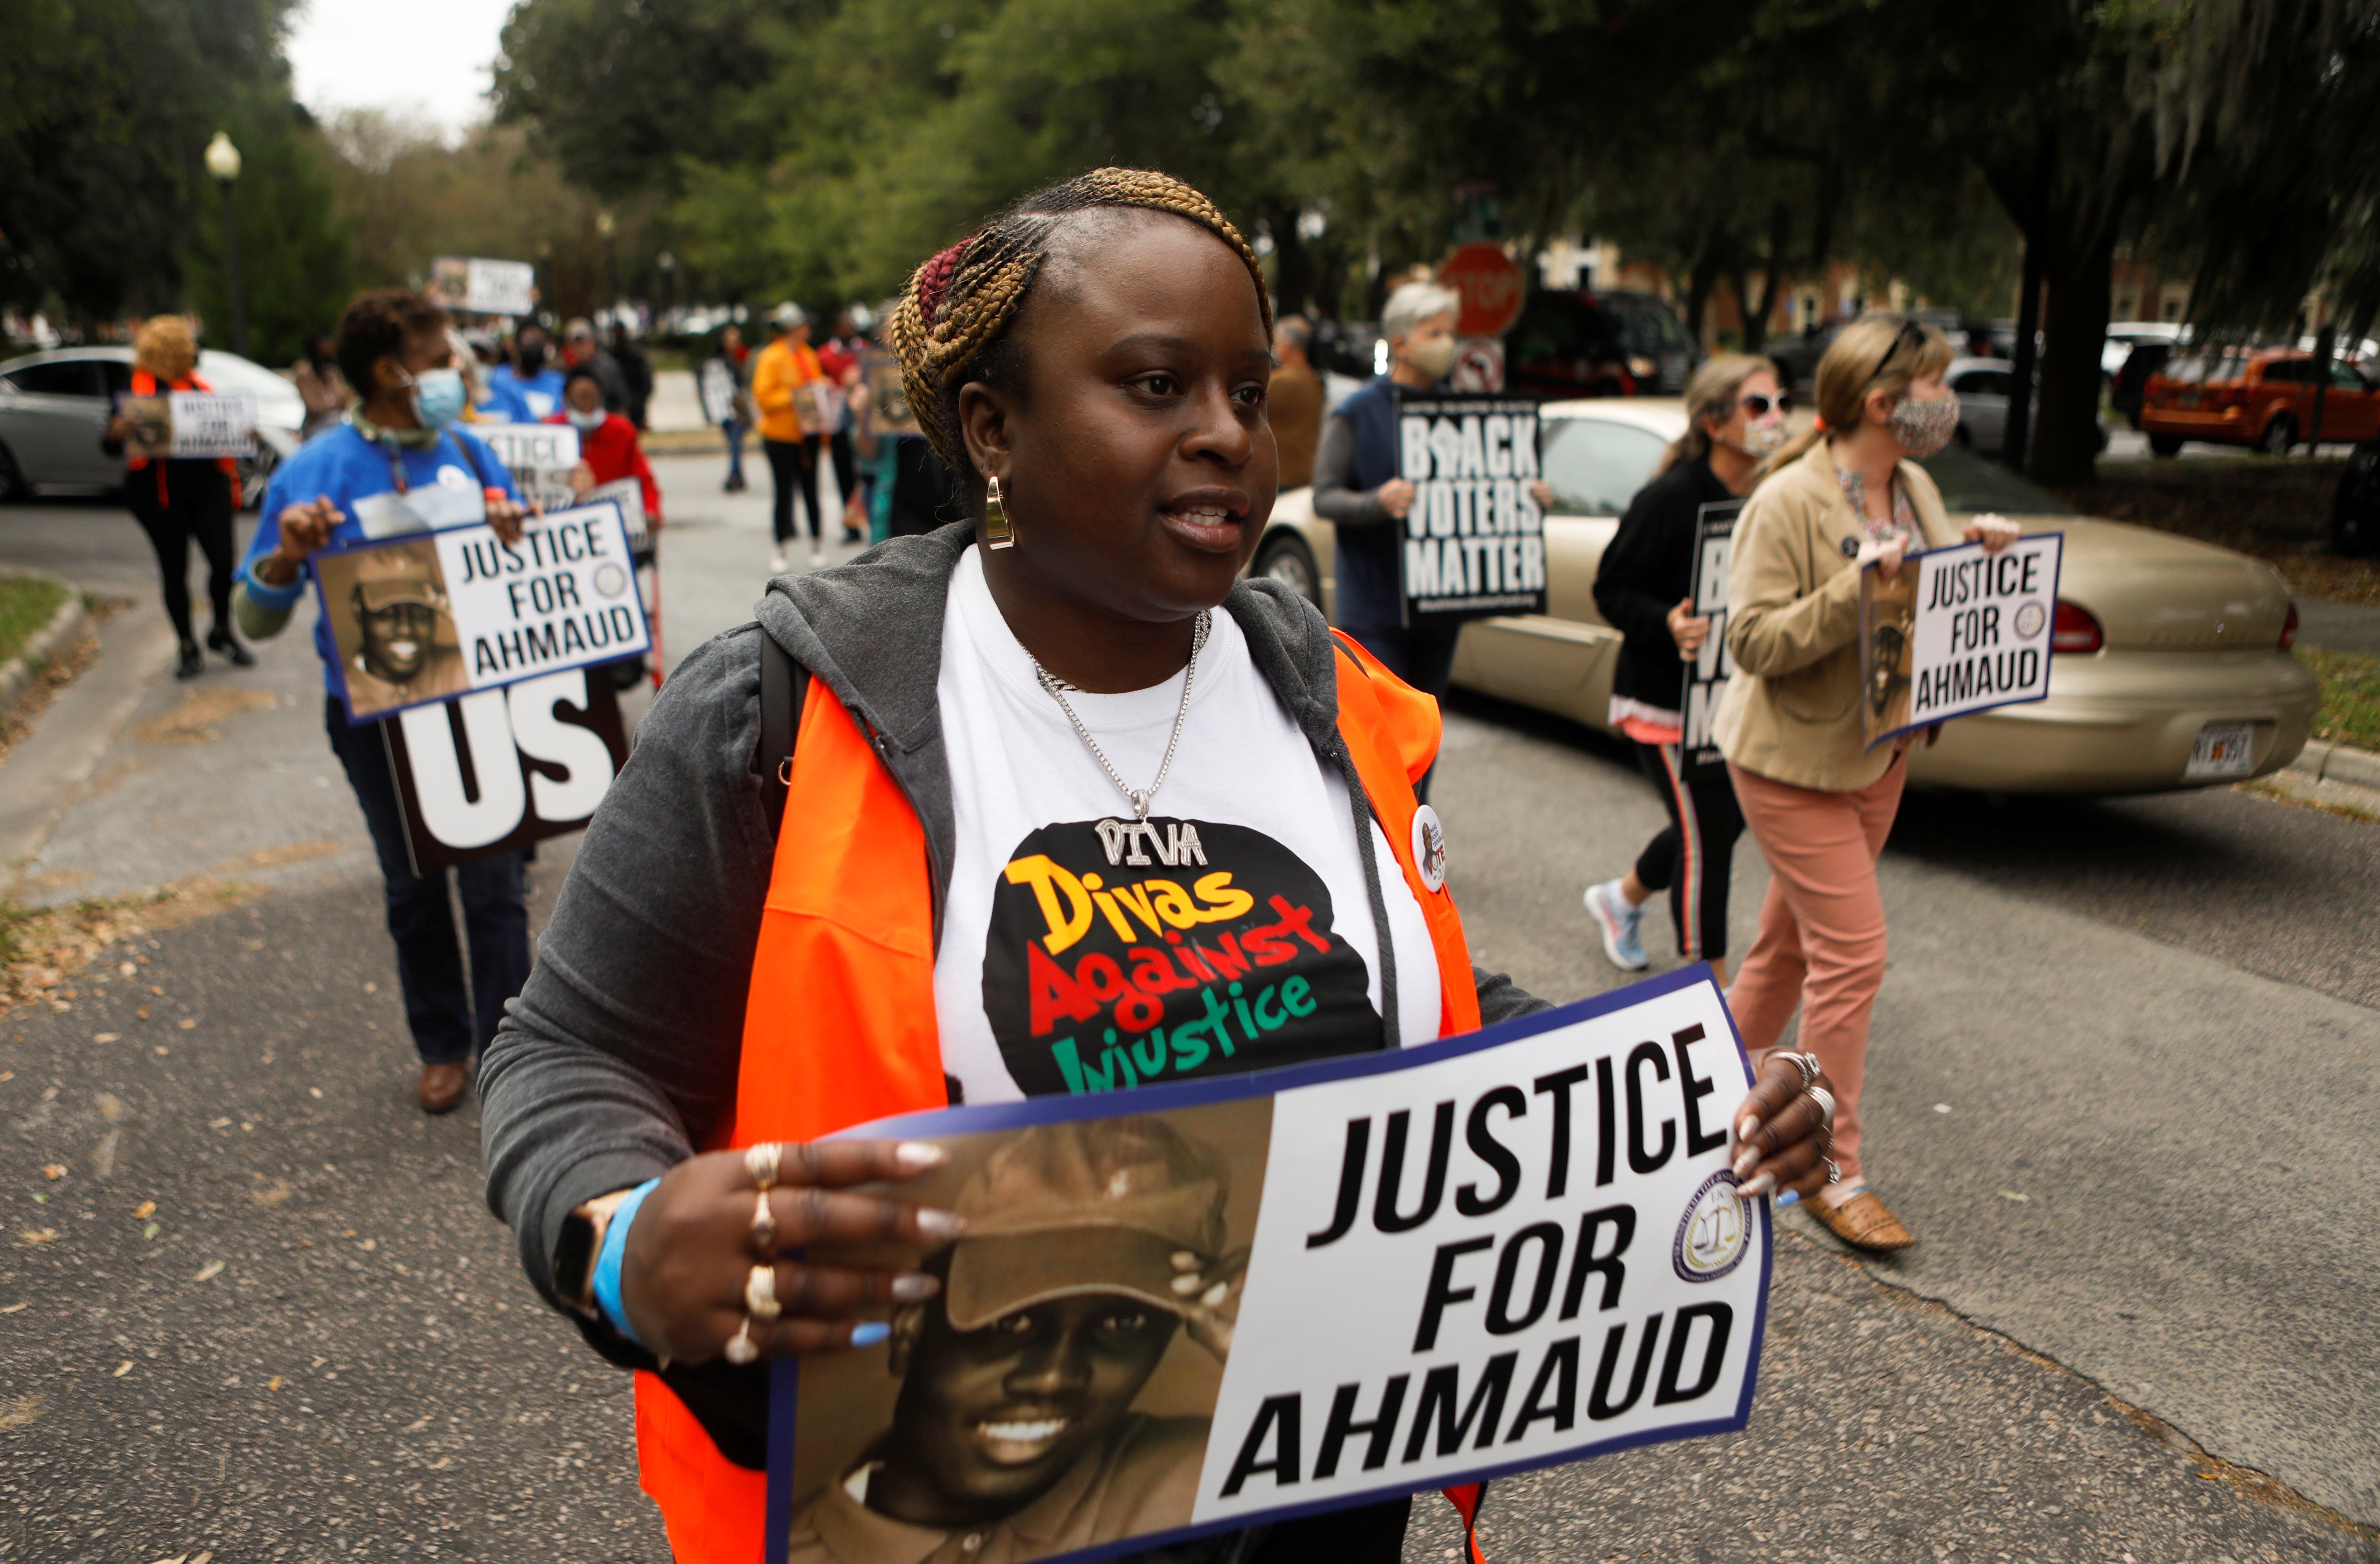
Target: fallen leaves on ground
209,1271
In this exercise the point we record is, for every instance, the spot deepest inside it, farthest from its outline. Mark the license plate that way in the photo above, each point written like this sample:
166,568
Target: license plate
2224,750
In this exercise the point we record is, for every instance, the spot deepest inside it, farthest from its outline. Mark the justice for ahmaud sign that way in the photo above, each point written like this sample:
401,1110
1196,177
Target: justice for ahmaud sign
1474,541
1955,632
539,456
1189,1308
422,618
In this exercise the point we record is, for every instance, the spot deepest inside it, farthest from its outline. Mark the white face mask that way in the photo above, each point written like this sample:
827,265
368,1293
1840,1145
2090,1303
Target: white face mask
1761,441
1432,358
586,420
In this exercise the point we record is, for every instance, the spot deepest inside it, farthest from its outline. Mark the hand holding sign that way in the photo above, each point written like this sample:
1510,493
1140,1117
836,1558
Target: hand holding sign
1994,532
1885,553
1686,629
686,1277
1396,497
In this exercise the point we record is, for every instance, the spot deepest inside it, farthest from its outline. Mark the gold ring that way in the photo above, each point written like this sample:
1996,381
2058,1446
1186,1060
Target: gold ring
760,1293
764,1227
763,1161
741,1348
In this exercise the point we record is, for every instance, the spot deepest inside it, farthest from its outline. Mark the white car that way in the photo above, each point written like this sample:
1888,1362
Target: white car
2173,666
54,407
2125,335
1981,386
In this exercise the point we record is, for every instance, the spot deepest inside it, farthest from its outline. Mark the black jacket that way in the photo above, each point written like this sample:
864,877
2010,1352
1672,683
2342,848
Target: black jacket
1648,568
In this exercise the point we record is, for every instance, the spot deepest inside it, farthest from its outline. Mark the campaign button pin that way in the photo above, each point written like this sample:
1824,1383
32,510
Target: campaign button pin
1714,1233
1429,848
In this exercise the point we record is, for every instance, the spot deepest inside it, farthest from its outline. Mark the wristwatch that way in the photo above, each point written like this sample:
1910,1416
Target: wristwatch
575,1251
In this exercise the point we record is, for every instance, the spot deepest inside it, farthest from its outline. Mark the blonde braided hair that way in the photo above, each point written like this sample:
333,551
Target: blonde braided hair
954,316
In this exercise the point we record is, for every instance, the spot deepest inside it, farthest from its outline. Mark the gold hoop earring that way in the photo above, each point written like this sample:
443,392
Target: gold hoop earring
998,532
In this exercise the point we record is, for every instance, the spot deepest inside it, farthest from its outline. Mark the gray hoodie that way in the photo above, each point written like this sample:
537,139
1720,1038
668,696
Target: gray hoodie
620,1056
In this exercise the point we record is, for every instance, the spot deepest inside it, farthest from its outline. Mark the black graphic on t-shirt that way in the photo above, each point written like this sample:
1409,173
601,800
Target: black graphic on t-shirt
1122,953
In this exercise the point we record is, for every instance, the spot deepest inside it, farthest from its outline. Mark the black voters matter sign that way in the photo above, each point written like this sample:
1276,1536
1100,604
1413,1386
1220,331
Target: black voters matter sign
422,618
1474,541
1957,631
494,771
1709,669
1203,1306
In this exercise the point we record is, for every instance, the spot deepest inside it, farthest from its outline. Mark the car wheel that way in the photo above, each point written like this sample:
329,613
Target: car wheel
2279,436
2166,444
1286,558
13,486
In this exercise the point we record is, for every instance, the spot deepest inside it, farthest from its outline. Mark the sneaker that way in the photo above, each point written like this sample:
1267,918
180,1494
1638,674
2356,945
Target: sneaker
1618,923
777,563
817,558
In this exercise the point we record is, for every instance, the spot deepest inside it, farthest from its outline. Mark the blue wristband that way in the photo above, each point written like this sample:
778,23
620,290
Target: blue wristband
607,1261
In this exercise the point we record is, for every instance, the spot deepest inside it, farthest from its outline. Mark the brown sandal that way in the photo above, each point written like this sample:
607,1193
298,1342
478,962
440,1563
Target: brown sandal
1862,1222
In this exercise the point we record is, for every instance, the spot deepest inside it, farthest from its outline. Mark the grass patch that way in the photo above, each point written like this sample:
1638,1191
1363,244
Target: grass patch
27,603
2350,697
2276,510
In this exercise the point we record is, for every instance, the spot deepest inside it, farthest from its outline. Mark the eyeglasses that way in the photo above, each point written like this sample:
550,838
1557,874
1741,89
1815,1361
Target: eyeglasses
1911,333
1758,405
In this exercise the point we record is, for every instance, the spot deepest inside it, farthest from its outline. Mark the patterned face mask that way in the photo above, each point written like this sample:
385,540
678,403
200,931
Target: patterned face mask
1924,428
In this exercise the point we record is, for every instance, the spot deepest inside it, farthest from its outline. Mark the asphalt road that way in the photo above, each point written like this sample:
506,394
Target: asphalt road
2153,1020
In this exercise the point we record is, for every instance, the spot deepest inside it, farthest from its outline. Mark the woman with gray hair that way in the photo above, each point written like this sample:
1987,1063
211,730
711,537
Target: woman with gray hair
1356,488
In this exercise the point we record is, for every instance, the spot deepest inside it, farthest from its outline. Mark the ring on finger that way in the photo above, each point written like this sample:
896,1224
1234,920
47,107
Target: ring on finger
741,1348
1807,1064
1825,1101
760,1293
763,1161
764,1227
1834,1174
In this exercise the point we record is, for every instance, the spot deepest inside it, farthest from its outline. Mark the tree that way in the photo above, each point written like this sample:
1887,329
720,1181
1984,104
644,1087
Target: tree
294,255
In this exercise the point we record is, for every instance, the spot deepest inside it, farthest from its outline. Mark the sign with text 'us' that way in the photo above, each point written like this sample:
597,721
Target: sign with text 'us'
494,771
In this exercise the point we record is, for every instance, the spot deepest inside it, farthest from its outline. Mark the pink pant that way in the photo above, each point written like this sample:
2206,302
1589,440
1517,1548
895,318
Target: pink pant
1821,940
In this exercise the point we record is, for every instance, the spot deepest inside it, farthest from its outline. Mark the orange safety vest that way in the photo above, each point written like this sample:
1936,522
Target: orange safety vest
145,383
847,949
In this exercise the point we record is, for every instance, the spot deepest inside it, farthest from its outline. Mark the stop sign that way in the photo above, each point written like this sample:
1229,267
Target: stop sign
1491,283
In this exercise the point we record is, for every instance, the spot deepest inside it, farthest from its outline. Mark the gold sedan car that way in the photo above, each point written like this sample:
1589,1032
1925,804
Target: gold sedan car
2173,671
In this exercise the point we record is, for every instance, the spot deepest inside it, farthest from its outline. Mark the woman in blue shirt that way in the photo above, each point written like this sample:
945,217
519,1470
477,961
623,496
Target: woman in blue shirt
400,463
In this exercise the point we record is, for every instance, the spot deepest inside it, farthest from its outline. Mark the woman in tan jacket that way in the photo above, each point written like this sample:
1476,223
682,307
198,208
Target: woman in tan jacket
1847,496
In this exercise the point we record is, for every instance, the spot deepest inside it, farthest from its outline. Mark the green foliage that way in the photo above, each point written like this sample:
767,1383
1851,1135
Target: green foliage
27,603
295,252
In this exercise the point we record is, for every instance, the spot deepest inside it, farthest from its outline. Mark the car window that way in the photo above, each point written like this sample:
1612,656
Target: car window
60,376
1972,485
117,373
1983,382
2293,371
2344,378
2196,367
1596,467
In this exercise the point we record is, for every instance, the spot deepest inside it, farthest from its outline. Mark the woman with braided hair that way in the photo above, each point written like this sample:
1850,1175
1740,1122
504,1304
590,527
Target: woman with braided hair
779,929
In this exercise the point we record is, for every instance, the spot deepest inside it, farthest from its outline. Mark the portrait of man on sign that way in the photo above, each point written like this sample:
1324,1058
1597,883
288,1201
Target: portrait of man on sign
1089,1248
391,620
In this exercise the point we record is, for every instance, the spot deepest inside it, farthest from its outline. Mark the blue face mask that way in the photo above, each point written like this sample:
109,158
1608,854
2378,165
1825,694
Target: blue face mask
439,397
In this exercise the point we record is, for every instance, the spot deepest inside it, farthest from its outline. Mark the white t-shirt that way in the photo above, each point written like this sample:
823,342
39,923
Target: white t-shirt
1083,953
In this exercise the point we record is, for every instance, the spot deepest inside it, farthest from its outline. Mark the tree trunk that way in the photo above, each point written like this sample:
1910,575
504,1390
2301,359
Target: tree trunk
1699,284
2015,439
1772,279
1293,263
2066,443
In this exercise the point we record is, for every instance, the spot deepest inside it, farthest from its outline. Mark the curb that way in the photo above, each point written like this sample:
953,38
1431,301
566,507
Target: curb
65,627
2339,763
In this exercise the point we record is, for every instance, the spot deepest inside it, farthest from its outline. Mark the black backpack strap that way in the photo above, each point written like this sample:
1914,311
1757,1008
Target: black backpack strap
783,683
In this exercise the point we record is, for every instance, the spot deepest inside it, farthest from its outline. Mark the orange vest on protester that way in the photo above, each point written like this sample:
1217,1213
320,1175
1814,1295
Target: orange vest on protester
145,383
847,951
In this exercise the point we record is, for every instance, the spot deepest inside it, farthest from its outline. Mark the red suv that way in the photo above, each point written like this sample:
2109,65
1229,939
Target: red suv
2262,397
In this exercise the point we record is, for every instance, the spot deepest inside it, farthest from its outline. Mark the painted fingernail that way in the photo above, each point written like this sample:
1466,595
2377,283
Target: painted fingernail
1746,1160
940,1224
1185,1285
919,1154
1184,1261
1746,1125
915,1288
1216,1295
1762,1184
1791,1197
867,1335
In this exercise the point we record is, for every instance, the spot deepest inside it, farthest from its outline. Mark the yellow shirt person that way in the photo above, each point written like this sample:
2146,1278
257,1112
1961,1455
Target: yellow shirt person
782,368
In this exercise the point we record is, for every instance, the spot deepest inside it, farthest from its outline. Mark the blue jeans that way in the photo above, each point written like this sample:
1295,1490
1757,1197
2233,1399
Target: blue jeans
449,1022
734,433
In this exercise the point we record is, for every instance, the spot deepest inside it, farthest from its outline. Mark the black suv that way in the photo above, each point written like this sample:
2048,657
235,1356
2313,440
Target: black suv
1606,343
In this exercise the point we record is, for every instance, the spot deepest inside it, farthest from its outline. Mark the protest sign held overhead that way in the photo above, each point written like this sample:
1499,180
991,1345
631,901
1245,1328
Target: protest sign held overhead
1474,540
1709,669
541,457
422,618
494,771
179,424
1296,1291
1956,630
482,287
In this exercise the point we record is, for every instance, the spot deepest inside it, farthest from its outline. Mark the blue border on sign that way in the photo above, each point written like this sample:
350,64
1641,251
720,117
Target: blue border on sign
2049,650
338,666
785,1374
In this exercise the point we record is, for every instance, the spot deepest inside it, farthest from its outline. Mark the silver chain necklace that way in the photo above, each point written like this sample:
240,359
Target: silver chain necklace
1140,797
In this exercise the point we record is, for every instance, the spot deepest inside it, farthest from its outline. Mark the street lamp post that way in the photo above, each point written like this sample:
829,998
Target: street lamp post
223,162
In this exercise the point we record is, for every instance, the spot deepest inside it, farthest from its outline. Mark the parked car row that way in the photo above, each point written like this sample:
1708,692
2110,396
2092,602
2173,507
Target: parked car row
1983,387
2168,650
2261,397
55,408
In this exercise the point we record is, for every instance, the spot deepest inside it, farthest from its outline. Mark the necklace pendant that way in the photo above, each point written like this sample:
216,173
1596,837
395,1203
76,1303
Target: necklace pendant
1139,805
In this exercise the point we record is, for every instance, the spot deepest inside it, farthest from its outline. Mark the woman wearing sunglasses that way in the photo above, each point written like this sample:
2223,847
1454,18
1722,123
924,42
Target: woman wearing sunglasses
1735,420
1846,495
